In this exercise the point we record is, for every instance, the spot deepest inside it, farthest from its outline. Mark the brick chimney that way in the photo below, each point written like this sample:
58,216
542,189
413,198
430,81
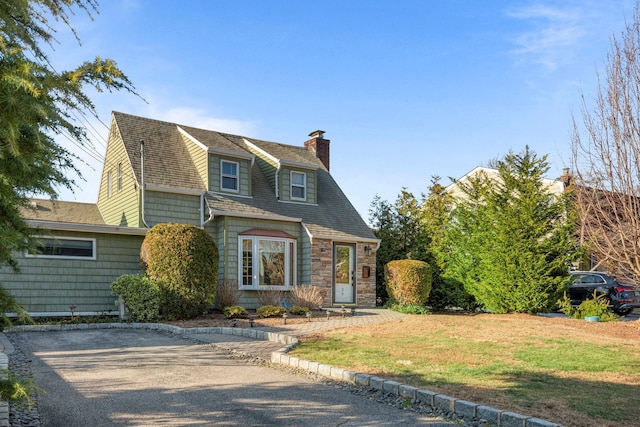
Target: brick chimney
566,177
320,146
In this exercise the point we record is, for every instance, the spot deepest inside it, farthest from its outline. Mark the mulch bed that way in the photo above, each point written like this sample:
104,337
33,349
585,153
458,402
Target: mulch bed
217,319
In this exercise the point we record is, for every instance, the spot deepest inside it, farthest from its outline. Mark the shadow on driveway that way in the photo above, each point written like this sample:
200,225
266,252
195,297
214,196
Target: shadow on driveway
146,378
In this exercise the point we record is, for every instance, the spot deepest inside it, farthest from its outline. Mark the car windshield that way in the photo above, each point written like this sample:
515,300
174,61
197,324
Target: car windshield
589,278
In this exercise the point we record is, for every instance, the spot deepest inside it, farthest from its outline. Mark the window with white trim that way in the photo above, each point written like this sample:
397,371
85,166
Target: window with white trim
63,247
298,185
229,175
267,262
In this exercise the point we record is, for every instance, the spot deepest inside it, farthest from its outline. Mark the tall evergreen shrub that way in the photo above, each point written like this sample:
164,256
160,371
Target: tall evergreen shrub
183,260
510,241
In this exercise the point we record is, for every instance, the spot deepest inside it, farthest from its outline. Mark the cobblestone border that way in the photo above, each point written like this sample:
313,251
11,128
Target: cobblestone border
469,411
4,406
464,409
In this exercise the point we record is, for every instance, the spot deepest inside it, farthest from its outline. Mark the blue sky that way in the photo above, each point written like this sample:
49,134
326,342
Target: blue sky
403,89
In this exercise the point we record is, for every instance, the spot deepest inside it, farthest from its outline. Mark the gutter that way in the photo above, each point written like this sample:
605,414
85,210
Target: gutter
86,228
278,181
257,216
342,238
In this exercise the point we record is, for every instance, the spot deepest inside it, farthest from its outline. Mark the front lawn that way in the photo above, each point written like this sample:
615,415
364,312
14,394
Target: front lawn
568,371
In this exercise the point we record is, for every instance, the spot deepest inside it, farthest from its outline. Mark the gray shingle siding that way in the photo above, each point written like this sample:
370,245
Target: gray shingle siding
51,285
171,207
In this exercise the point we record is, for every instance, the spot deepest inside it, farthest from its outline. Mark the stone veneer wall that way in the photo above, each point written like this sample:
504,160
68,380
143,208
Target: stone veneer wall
366,286
321,267
322,272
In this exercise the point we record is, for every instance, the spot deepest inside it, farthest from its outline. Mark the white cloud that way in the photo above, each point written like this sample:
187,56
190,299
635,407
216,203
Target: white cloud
553,32
201,119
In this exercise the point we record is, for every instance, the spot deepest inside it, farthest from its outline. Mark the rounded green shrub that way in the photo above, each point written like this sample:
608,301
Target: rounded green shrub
141,296
597,305
270,311
408,281
298,311
235,311
184,260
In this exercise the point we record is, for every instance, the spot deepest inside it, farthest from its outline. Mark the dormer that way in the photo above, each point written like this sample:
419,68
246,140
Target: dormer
225,166
297,182
292,171
230,172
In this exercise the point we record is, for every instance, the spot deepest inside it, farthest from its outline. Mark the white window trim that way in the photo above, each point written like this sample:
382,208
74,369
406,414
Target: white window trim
84,239
304,185
223,175
290,259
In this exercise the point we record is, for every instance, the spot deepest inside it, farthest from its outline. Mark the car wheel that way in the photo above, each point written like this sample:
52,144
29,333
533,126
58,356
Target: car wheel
622,311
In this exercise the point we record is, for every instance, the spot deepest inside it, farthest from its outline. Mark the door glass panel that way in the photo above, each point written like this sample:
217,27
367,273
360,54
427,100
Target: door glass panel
344,289
247,262
272,263
343,264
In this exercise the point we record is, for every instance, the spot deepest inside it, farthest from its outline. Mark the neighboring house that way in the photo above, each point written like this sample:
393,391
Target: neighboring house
554,186
278,218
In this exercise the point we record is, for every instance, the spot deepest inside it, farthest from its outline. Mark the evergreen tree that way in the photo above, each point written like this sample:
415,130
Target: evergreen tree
411,239
36,104
383,221
414,229
510,242
435,215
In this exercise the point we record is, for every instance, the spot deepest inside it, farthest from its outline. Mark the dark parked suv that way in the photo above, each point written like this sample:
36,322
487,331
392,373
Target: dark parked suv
622,298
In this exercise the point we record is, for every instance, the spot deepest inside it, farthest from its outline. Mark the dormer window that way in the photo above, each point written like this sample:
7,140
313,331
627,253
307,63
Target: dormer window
298,186
229,176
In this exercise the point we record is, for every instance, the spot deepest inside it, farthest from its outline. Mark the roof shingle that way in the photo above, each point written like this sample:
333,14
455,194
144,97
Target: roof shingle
168,163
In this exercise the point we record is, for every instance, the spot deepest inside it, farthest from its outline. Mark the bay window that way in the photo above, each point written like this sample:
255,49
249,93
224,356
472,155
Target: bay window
267,262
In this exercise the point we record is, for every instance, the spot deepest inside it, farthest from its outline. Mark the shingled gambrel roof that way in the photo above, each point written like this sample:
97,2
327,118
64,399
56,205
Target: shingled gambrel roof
332,217
167,162
217,140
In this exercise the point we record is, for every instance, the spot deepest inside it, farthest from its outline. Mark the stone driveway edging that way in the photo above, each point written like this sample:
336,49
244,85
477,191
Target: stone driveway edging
452,406
4,406
456,407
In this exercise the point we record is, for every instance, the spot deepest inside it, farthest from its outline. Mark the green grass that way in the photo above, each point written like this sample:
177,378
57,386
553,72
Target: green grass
579,379
565,355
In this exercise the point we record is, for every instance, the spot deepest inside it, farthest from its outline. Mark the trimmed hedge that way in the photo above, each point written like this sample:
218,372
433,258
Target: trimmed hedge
235,311
184,260
140,294
270,311
408,281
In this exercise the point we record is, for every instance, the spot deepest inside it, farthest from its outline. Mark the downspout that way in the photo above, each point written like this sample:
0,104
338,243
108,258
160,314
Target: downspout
277,181
203,222
144,222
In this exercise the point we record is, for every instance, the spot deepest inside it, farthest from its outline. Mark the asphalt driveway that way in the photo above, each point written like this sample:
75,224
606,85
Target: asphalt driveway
118,377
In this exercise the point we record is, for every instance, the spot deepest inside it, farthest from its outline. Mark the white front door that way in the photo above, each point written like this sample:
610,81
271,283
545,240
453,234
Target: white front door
344,274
